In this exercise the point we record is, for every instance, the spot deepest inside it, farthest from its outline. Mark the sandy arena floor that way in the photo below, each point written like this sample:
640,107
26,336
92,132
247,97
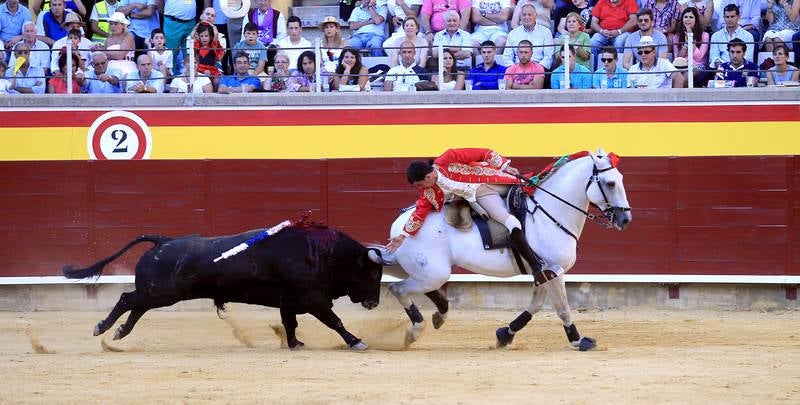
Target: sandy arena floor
645,356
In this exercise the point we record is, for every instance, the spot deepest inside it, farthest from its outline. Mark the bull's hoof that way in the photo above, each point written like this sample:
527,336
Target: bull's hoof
120,333
504,337
413,333
438,319
359,347
96,331
584,345
299,346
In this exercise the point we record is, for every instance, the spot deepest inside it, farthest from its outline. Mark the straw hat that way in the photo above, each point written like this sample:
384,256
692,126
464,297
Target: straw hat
329,19
71,18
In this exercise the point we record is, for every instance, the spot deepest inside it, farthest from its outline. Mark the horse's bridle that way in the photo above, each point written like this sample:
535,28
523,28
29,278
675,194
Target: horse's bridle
608,212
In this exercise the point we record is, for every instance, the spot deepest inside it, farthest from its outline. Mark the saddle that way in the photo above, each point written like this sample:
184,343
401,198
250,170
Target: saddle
461,214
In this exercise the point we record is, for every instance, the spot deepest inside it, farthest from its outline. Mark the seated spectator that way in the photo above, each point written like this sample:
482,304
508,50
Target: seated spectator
681,65
705,9
651,71
144,79
332,43
578,39
2,52
579,76
612,22
644,20
270,22
28,79
119,45
717,53
77,43
350,72
241,81
409,33
144,18
610,75
53,23
39,7
407,74
58,84
294,44
455,39
453,79
526,74
487,75
305,78
432,15
12,17
368,23
4,83
182,84
690,22
539,36
99,79
400,10
279,79
579,7
161,56
740,71
39,51
782,71
255,50
784,21
749,18
545,11
207,17
665,16
490,19
208,53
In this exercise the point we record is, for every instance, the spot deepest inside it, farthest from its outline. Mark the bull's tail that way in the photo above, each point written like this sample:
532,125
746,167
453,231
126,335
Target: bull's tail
97,269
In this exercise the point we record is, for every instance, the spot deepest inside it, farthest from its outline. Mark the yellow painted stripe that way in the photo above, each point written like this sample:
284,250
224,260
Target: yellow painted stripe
348,141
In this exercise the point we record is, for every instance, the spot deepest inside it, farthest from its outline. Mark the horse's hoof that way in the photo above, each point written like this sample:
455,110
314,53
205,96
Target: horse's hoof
504,337
96,331
359,347
586,344
413,333
438,319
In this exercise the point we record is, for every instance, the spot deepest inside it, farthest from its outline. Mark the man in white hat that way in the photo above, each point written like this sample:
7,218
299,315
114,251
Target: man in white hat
653,72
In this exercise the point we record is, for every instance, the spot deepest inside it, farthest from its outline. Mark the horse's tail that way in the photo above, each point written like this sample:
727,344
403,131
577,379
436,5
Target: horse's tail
387,257
97,269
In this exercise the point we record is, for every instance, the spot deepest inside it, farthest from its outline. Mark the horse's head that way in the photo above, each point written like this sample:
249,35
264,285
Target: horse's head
606,190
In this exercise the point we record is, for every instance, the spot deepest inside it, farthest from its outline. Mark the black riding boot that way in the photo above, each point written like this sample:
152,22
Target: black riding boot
521,245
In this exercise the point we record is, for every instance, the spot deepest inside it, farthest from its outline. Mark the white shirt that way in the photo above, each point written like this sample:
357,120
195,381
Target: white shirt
39,56
84,51
396,10
401,82
461,39
292,50
487,7
638,76
539,36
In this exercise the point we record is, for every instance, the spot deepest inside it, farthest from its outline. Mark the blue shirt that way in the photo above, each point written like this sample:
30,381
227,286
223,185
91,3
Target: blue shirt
142,27
580,78
737,75
486,79
618,81
95,86
233,81
11,24
53,28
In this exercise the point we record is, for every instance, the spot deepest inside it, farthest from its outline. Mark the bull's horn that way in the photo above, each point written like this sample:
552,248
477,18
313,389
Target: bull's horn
375,256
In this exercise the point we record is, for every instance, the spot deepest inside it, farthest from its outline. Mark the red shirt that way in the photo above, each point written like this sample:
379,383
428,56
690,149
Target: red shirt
613,17
60,86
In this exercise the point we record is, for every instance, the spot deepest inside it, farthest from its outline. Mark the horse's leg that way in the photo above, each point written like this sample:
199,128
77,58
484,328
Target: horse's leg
124,304
558,295
439,299
403,289
289,320
505,334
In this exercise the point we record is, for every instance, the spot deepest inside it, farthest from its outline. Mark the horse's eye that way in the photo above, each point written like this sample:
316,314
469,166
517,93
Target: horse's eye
611,184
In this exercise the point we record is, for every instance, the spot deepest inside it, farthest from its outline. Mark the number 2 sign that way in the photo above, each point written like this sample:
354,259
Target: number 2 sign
119,135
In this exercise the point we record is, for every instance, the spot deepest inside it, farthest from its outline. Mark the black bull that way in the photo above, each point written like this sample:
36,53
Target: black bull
299,270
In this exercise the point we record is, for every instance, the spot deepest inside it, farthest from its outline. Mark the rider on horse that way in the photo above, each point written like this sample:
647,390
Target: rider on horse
477,175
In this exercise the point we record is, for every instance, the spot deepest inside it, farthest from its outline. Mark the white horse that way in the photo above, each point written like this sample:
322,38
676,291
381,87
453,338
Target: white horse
556,215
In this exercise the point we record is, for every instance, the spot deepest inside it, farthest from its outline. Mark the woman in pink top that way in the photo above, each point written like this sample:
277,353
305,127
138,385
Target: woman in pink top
432,15
690,22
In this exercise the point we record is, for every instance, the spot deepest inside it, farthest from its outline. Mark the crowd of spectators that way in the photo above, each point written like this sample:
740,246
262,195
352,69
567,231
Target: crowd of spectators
155,46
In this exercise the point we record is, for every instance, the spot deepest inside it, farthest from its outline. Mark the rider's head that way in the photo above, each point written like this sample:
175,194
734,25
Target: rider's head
417,170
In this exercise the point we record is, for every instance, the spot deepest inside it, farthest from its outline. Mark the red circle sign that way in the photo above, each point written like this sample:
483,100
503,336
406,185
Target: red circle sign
119,135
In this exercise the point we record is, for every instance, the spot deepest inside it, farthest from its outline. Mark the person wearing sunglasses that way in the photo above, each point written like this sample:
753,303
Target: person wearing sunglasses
653,72
100,79
610,75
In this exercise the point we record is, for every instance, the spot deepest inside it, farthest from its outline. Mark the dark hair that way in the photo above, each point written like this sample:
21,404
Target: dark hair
305,54
156,31
417,170
571,49
609,49
697,30
487,43
296,19
525,43
250,27
74,32
644,11
356,67
731,7
453,72
781,46
737,42
241,54
62,61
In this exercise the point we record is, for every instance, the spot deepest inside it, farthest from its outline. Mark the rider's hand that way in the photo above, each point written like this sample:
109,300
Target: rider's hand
512,170
395,243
